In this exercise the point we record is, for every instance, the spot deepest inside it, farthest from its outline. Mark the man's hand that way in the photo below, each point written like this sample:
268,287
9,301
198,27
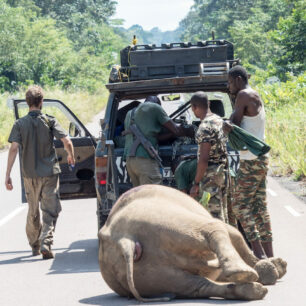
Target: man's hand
8,183
68,146
194,191
10,162
70,160
227,127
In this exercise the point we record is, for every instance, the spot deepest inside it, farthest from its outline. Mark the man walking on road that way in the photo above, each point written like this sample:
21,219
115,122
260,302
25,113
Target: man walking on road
34,134
250,205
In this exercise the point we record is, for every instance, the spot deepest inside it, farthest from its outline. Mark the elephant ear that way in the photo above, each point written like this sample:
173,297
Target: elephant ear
128,246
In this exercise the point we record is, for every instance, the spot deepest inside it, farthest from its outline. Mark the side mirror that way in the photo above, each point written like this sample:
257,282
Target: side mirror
73,130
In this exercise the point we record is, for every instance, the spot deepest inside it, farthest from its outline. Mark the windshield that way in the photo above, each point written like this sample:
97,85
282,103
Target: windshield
220,104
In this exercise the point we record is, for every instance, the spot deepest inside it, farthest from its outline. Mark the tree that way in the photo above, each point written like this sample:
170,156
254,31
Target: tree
62,10
31,49
290,36
246,23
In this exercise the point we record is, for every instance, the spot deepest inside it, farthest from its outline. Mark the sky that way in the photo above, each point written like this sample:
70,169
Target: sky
164,14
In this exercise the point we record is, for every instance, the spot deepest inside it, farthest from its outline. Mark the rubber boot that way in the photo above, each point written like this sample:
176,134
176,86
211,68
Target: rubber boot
267,246
258,249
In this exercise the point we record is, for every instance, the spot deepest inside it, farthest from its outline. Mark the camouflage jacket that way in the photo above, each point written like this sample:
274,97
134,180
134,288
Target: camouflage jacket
211,131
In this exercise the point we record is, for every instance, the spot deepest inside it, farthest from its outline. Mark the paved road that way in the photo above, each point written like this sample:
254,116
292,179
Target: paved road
73,277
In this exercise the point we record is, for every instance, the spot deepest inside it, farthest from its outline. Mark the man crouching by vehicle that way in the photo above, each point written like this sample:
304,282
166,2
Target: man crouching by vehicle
34,133
142,126
211,173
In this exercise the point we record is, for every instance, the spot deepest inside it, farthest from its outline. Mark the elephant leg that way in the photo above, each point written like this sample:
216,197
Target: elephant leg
233,267
269,270
193,286
241,247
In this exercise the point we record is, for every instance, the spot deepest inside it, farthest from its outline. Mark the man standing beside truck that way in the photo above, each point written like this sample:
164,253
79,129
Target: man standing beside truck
34,133
142,161
212,158
250,205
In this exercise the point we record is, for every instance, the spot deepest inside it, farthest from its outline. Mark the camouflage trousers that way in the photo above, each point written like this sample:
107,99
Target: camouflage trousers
250,205
215,183
230,200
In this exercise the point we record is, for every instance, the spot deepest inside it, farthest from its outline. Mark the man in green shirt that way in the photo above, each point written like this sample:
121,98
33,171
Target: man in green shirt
34,134
150,118
185,173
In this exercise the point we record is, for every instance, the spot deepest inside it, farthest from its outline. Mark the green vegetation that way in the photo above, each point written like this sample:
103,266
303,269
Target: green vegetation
68,43
69,47
286,130
266,34
269,38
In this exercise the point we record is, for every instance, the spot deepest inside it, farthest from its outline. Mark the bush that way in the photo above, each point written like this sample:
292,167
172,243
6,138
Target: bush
285,130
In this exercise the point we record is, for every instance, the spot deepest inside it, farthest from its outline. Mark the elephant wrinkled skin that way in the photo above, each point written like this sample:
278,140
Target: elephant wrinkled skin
158,243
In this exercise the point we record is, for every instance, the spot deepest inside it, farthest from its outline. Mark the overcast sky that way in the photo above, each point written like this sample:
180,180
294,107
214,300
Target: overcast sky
165,14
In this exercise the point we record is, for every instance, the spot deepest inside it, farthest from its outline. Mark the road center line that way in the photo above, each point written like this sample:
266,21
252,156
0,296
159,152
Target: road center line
12,215
292,211
272,193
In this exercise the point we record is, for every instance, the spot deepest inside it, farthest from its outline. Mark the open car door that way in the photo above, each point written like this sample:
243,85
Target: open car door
75,183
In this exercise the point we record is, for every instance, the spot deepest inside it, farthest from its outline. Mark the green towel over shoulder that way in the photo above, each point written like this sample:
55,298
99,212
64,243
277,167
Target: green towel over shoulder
239,139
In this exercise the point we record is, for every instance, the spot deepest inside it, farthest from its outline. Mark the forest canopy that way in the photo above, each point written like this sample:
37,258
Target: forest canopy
266,34
74,43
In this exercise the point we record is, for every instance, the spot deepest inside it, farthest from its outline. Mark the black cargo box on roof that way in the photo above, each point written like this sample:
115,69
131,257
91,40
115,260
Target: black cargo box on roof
145,62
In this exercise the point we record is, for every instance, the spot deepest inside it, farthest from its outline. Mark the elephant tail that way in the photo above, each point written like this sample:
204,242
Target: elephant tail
129,249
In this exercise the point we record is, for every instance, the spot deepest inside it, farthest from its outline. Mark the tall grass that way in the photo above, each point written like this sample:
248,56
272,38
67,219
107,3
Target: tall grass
83,104
286,125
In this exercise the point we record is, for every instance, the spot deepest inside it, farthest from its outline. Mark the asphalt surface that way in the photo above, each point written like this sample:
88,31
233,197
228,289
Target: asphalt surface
73,276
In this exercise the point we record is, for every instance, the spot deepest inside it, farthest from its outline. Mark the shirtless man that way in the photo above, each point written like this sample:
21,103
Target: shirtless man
250,205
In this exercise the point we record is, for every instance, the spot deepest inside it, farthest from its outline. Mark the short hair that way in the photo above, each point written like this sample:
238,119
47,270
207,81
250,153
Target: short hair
237,71
200,99
153,99
34,95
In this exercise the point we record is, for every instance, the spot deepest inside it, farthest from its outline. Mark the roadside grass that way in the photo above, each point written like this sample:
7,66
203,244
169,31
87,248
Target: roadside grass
286,134
286,125
83,104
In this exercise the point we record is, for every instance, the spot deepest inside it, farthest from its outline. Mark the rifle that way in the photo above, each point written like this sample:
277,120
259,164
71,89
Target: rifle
140,139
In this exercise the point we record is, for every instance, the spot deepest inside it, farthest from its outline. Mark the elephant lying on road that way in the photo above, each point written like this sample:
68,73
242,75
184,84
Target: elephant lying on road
158,243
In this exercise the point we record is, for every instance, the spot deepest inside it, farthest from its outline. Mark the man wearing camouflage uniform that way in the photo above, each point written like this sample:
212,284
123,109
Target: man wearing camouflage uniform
212,158
250,205
34,134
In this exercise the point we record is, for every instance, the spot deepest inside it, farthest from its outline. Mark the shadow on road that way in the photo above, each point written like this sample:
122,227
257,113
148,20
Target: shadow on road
80,257
20,259
27,258
111,299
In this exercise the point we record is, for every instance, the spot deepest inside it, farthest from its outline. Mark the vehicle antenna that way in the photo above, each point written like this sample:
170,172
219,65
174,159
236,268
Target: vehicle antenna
213,35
